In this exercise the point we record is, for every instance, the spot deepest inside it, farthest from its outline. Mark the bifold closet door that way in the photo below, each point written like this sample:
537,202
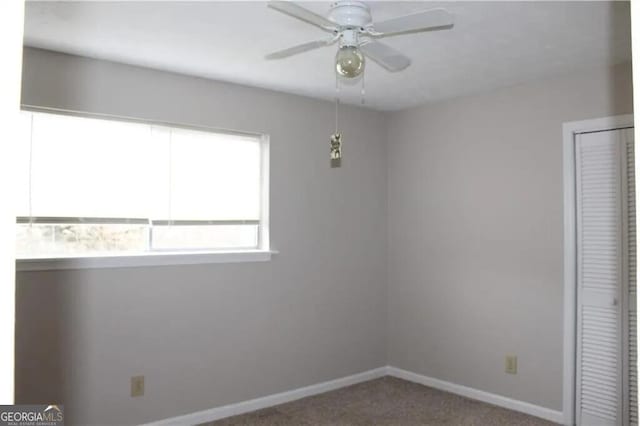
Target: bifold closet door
630,319
600,183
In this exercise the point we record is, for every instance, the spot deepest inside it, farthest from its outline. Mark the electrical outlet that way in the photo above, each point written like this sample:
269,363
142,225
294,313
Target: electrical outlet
511,364
137,385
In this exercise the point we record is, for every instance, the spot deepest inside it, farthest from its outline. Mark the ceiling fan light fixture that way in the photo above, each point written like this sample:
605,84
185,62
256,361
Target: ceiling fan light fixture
349,62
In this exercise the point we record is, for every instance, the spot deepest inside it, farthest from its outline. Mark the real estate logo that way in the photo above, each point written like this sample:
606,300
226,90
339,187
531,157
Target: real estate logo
31,415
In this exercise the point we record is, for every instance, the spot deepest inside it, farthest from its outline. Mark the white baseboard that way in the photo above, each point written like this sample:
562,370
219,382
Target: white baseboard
490,398
218,413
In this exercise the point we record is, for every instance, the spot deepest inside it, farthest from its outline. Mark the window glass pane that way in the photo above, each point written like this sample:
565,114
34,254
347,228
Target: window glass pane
22,143
221,182
84,167
205,237
56,239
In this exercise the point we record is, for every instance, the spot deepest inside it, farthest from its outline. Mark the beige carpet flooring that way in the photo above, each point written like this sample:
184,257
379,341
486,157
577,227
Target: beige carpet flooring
385,401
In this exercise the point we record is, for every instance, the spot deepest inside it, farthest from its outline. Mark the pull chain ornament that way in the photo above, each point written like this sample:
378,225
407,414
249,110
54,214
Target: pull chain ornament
336,150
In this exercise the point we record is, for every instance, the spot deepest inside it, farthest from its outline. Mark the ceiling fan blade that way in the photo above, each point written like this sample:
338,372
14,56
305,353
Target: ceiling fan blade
300,48
427,20
385,56
299,12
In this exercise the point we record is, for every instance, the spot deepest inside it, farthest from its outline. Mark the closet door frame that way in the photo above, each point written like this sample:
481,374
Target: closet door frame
570,130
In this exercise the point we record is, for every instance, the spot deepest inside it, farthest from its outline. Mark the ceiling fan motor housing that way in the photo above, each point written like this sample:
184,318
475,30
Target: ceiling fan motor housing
350,14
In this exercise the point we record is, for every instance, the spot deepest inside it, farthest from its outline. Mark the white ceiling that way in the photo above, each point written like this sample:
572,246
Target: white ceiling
493,44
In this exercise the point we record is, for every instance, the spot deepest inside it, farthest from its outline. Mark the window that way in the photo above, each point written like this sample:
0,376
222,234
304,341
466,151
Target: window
89,186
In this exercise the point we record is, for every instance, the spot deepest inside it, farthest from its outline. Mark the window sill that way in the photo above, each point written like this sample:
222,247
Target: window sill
142,260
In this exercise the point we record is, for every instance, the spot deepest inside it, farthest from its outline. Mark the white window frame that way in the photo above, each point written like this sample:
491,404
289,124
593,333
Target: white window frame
166,257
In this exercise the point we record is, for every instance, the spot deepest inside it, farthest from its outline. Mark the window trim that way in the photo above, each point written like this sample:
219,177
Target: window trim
141,259
262,253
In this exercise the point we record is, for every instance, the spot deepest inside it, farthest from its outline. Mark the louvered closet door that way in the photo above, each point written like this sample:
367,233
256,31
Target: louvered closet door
599,385
631,368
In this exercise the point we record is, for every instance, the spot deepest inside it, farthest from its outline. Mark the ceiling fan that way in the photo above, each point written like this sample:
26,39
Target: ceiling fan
350,24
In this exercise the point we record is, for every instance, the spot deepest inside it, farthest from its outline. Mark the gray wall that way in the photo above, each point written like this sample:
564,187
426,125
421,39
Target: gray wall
476,232
473,216
209,335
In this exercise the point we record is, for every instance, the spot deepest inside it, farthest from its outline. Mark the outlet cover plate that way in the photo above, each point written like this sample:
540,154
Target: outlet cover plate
511,364
137,385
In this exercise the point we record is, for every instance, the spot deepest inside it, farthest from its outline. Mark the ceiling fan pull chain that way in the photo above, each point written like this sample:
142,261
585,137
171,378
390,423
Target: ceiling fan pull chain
337,100
335,141
362,89
170,191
